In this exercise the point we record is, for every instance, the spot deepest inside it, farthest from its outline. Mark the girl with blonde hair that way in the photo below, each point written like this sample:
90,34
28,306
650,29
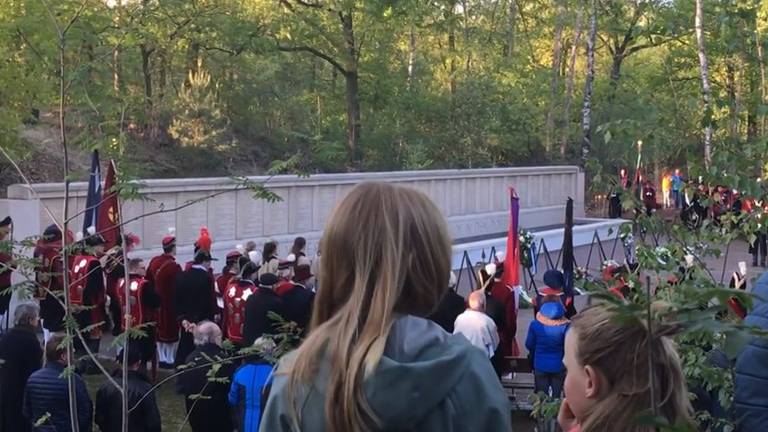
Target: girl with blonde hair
371,362
608,384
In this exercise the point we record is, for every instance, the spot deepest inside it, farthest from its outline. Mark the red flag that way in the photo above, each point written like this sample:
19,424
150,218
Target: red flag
108,220
512,256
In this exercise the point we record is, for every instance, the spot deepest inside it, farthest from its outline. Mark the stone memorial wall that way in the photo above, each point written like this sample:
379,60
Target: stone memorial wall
475,203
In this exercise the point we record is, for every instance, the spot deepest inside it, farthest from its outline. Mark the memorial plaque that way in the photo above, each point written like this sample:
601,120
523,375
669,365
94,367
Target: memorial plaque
326,197
276,214
131,210
221,216
250,216
301,209
190,219
156,225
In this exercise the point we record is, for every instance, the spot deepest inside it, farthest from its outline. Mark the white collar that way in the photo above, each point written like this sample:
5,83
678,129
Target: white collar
199,267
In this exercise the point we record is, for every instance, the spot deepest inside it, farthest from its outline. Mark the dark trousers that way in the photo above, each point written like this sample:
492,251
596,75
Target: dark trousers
677,198
759,248
543,382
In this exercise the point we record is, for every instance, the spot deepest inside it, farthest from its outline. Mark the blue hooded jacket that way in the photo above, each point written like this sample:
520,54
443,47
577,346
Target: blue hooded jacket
750,402
546,338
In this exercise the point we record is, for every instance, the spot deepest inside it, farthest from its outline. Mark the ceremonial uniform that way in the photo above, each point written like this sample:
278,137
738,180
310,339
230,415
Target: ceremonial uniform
505,295
235,296
50,278
88,288
162,272
257,308
144,304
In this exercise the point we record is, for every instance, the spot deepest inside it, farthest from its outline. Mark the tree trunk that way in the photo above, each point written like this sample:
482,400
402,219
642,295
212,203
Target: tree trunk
733,103
705,86
353,93
586,111
569,82
452,50
616,62
761,61
509,46
163,80
146,70
411,57
193,60
554,80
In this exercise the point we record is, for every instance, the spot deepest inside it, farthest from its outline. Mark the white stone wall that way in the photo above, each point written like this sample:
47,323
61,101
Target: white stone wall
475,203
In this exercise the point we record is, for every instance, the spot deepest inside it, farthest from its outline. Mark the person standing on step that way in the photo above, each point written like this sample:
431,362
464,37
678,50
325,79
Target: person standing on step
194,301
6,269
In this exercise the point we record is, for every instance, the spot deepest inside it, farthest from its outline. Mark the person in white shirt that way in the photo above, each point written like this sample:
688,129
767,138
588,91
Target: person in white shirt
476,326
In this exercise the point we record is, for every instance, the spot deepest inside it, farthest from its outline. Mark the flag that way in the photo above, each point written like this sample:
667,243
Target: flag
568,258
512,256
107,220
94,194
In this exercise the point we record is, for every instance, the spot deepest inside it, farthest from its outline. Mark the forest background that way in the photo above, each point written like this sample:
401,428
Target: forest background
180,88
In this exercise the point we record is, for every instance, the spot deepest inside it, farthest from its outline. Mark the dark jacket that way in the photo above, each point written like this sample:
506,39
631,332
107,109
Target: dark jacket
750,402
546,338
194,297
21,355
298,305
451,306
257,308
109,405
46,393
246,392
211,411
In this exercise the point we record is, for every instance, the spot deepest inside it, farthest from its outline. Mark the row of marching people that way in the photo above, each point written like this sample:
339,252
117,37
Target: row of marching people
172,297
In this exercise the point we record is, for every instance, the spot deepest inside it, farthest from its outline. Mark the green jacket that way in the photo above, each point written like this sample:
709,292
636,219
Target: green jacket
427,380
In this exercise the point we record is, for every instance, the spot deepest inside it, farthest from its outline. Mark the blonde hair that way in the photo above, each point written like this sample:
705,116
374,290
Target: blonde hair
618,351
386,251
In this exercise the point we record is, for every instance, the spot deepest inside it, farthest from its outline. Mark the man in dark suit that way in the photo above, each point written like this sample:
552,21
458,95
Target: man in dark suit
257,309
194,301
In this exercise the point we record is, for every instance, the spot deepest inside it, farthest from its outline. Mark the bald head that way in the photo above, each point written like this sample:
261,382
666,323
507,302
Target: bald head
207,332
477,301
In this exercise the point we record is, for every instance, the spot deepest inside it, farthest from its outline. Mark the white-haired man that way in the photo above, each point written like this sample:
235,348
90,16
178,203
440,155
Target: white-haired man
206,397
476,326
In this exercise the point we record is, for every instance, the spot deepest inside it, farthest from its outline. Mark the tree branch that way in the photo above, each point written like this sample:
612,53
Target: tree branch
316,53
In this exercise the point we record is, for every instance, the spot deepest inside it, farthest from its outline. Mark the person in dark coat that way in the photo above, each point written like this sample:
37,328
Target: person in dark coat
207,400
46,395
145,417
194,301
450,307
6,268
257,308
750,401
20,355
298,299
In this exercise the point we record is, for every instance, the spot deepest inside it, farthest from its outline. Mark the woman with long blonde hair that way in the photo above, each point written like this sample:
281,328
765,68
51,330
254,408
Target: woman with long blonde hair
371,362
608,385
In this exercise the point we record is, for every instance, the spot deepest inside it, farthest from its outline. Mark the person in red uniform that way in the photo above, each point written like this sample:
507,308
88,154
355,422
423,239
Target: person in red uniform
505,294
239,288
50,279
144,303
162,273
87,288
6,268
114,269
230,269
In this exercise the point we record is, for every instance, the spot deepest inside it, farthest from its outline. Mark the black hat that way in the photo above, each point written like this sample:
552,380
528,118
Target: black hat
5,222
52,233
554,279
268,280
95,240
202,256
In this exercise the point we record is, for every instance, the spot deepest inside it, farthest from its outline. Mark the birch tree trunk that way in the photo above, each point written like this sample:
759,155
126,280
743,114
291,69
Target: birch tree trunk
569,81
705,85
761,61
509,46
557,56
411,57
586,110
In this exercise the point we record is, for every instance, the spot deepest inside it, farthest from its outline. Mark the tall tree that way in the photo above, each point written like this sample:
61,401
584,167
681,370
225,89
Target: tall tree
586,110
705,84
569,82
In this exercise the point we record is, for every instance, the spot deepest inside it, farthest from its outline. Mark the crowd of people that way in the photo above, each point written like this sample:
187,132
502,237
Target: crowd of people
388,343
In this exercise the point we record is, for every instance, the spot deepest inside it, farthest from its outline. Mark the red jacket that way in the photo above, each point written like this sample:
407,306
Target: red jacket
506,296
162,272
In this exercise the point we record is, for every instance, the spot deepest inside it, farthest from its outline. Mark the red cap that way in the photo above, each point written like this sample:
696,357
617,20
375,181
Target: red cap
234,254
168,240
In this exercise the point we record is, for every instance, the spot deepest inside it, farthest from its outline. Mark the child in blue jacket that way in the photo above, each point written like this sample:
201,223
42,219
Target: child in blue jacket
245,393
546,343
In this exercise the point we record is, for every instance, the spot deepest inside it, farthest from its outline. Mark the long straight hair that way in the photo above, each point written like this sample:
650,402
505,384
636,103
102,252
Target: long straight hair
619,351
386,251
